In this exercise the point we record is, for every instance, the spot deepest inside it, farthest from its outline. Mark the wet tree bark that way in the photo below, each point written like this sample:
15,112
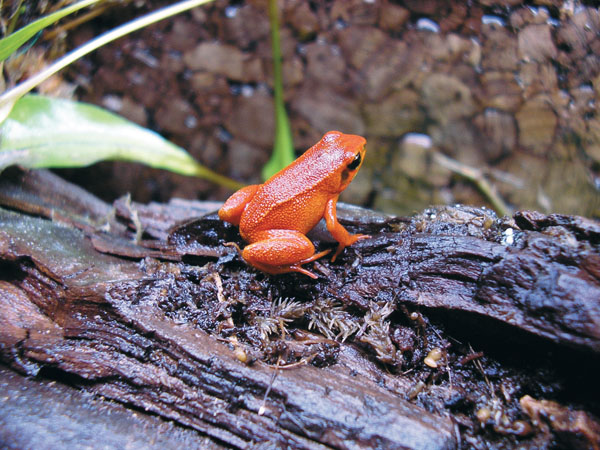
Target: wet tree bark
153,325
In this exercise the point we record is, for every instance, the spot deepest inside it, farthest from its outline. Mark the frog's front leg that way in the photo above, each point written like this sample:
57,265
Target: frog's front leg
336,229
281,251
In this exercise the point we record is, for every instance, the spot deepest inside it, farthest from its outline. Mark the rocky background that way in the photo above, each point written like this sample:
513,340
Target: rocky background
508,90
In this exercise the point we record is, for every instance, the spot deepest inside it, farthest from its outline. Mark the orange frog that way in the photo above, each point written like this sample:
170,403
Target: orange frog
275,216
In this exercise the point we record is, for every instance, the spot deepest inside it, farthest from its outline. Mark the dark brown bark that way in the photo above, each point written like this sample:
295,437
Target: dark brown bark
178,326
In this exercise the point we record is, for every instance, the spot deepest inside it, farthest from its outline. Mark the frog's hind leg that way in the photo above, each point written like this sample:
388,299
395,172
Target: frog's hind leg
281,251
233,208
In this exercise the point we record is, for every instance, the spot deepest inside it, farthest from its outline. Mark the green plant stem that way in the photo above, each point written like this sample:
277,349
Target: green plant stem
283,149
8,98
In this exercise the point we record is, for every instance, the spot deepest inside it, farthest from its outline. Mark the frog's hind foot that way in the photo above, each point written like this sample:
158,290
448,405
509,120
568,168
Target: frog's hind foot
235,246
295,267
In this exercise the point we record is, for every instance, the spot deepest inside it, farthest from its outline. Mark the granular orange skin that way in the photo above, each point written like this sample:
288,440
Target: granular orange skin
275,216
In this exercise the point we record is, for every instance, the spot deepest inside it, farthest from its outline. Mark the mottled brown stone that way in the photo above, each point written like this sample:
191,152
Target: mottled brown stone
592,148
425,7
392,17
537,123
537,78
579,31
247,25
356,12
499,133
302,19
447,98
201,81
325,64
183,36
359,44
499,49
176,116
459,140
397,114
222,59
127,108
451,48
535,43
455,18
253,119
292,70
566,184
326,110
383,70
253,156
521,17
501,90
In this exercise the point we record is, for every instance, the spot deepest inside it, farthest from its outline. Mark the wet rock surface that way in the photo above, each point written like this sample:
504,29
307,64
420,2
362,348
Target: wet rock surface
449,329
455,72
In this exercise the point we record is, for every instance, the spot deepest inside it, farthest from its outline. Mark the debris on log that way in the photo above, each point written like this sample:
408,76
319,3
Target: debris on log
449,329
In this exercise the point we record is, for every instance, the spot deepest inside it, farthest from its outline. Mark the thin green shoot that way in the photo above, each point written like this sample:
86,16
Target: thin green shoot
283,148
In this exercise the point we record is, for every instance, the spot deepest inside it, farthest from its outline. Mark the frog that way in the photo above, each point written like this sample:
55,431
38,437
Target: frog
275,216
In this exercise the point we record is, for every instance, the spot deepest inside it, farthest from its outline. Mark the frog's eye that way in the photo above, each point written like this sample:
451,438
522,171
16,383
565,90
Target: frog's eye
355,162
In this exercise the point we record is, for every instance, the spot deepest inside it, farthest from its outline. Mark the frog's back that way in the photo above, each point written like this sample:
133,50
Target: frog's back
293,199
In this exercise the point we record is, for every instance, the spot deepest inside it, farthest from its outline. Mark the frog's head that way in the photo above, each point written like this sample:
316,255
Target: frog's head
352,153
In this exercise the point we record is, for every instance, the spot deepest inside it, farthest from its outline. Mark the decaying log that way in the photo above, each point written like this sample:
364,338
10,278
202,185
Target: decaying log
425,336
67,315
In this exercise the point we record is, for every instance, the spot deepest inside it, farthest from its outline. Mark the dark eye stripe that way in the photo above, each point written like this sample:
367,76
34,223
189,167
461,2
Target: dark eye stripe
345,175
355,162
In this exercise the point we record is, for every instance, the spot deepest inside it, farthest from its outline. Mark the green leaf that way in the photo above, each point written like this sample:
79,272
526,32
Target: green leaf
12,42
8,98
283,148
47,132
